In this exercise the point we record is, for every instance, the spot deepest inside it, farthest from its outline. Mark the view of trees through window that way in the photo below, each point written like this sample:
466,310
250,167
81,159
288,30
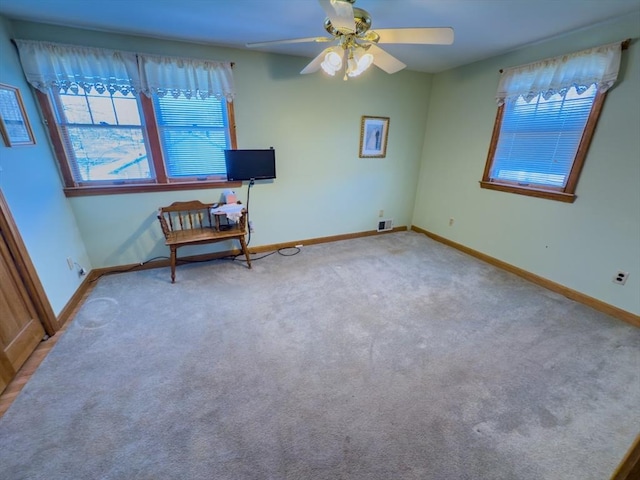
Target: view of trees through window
104,134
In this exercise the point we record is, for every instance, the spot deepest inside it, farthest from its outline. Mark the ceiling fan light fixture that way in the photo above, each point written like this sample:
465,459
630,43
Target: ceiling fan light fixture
357,47
332,63
359,61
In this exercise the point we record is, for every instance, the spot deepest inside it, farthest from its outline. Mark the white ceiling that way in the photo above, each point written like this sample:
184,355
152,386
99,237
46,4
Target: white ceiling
483,28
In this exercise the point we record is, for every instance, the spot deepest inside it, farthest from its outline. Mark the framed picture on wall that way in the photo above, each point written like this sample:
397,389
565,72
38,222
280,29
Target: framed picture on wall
14,124
374,132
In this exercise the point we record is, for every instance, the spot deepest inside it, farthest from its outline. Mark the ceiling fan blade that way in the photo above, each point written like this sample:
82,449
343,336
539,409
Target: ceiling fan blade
314,66
292,40
422,36
384,60
340,12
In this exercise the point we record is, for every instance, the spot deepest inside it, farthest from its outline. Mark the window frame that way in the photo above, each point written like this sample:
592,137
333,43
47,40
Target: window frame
161,182
156,105
566,194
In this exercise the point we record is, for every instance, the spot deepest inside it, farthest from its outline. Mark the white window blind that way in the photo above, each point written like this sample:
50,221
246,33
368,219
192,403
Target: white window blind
539,139
546,107
194,134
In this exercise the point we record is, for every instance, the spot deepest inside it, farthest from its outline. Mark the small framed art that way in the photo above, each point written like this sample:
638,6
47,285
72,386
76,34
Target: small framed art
374,132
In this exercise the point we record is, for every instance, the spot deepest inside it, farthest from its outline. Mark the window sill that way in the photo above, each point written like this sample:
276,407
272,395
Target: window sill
530,191
145,188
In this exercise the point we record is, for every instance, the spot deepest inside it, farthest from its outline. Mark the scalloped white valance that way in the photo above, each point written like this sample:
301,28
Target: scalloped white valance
71,67
582,69
186,76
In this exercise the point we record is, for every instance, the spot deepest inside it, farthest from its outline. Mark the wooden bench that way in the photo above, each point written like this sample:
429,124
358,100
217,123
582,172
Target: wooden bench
192,223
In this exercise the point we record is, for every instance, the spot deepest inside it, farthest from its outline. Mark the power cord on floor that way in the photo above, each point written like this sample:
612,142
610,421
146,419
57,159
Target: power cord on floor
280,251
128,269
296,250
251,183
179,261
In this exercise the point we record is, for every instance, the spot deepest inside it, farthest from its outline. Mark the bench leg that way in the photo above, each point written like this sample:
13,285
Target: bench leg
245,250
173,264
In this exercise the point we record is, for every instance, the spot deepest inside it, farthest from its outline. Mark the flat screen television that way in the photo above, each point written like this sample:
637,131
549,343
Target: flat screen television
250,164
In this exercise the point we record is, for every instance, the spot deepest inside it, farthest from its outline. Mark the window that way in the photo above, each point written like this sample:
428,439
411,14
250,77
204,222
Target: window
546,118
102,136
194,134
132,122
539,140
105,140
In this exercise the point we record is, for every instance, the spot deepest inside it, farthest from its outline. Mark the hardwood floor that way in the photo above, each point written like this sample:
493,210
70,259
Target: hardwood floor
28,369
42,350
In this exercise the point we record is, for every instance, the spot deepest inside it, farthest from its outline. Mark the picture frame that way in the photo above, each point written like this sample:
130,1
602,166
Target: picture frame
374,132
14,123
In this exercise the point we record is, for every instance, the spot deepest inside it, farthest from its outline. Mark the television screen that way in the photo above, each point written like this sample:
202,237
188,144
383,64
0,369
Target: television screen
250,164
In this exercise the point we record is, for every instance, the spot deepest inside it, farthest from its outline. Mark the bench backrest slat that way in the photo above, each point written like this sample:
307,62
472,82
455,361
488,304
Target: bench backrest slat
185,216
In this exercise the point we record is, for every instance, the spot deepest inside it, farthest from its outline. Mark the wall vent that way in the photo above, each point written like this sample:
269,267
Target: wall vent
385,225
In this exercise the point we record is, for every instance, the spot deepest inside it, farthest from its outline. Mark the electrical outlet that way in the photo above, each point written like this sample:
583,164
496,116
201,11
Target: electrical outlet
451,221
251,229
70,263
620,278
381,213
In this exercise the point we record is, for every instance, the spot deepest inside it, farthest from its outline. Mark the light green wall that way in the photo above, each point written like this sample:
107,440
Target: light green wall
579,245
438,141
31,186
323,188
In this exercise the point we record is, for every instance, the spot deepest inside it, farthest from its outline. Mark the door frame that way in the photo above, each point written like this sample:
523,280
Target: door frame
26,269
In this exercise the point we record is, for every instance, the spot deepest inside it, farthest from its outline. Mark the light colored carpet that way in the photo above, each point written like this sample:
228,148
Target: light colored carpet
386,357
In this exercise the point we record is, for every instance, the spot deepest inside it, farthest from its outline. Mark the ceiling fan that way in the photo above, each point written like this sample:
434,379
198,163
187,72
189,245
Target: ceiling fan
356,46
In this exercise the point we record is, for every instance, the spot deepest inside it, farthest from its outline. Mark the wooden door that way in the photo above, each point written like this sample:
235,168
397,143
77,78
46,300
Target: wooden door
20,328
